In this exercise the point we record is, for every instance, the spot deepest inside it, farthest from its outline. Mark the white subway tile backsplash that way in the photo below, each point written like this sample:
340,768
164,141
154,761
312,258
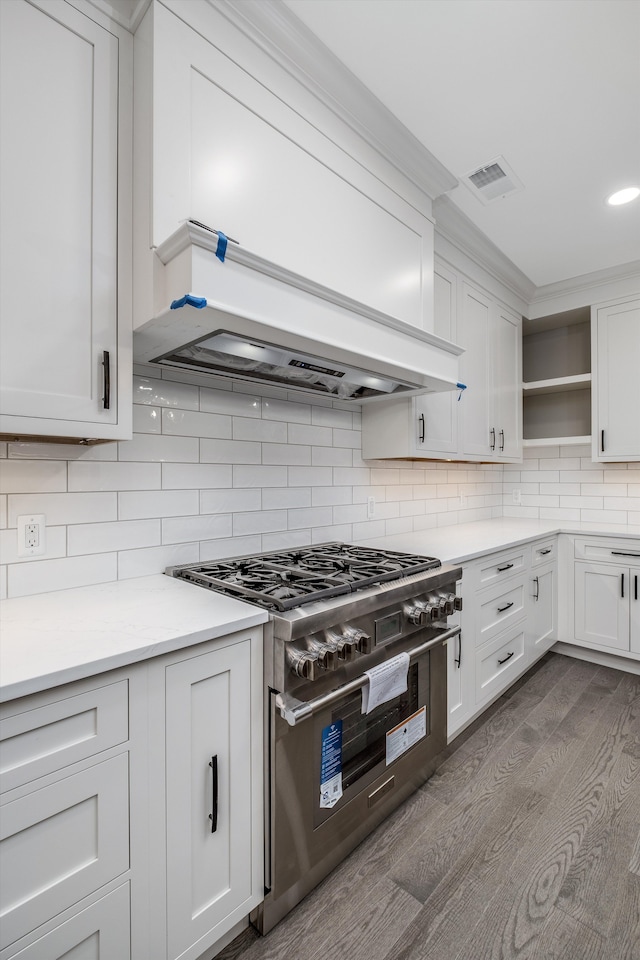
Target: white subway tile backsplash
217,468
113,476
192,529
157,503
111,536
62,508
30,476
42,576
230,451
186,423
200,476
160,449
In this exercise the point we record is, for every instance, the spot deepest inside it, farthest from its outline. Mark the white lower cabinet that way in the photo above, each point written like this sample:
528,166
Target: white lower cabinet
508,620
606,595
206,708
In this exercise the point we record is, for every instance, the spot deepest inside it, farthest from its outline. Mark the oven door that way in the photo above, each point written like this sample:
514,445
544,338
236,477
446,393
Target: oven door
385,755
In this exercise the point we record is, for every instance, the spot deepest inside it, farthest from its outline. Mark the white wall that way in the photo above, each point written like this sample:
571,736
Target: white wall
215,472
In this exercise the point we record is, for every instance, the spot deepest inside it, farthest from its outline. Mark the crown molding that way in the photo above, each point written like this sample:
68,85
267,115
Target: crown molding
458,229
279,33
590,287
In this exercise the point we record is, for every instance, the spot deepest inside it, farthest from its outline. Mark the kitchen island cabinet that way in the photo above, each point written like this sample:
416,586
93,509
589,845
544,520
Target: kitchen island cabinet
65,281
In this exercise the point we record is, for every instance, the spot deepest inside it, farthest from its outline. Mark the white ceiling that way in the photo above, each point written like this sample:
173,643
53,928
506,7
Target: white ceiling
553,86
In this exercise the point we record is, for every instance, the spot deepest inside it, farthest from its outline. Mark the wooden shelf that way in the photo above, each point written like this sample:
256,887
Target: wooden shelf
557,385
557,441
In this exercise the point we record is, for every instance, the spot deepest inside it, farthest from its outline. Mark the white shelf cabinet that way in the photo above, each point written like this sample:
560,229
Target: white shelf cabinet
65,288
616,399
557,379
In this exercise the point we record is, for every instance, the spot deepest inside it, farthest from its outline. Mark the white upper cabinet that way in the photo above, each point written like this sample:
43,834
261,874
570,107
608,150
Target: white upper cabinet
64,305
616,381
233,141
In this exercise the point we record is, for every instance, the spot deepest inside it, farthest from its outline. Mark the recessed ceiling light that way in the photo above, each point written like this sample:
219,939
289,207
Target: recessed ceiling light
623,196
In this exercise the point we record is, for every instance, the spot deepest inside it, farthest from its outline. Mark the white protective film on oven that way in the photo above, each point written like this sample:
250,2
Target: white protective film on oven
386,681
406,734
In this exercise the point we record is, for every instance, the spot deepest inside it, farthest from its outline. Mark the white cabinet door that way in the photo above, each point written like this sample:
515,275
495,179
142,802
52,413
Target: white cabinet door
436,415
209,864
474,333
616,394
506,385
59,227
634,615
602,605
541,620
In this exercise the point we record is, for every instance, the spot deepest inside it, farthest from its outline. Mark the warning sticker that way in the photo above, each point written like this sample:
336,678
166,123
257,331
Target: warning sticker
403,736
331,765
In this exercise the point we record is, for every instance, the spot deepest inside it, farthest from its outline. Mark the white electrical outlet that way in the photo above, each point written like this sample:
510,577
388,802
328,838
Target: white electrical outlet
517,496
371,507
31,538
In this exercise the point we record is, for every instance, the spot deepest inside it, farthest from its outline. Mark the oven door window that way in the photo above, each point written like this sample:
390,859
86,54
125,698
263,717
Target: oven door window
364,736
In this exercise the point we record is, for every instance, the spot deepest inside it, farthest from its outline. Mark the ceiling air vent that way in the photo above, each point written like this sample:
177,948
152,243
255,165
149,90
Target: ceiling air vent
493,181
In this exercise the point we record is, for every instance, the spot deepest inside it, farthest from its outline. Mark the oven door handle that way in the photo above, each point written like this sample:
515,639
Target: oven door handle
293,710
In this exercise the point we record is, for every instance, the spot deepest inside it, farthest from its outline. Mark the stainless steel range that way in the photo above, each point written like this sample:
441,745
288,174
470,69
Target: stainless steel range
356,695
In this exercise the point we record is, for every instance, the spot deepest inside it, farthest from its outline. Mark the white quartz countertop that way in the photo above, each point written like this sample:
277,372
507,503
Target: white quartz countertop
466,541
54,638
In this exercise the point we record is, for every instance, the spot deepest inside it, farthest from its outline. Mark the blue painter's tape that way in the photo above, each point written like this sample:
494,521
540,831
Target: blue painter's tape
189,301
461,387
221,249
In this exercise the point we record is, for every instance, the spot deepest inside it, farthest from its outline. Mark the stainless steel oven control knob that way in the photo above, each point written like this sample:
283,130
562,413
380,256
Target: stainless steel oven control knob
303,663
364,643
327,655
344,645
417,612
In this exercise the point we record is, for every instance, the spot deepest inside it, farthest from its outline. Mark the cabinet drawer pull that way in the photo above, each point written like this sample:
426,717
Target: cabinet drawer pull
422,428
507,566
536,595
106,398
622,585
506,607
624,553
508,657
502,440
543,553
213,816
492,442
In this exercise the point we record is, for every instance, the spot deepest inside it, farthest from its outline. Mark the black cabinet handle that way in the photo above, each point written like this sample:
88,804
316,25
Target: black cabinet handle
635,587
213,816
106,397
543,553
458,659
508,657
502,609
507,566
492,443
422,428
502,441
536,595
624,553
622,585
602,441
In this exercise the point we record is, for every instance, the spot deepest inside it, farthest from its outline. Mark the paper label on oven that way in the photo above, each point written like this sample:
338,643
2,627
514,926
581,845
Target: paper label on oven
406,734
385,682
331,765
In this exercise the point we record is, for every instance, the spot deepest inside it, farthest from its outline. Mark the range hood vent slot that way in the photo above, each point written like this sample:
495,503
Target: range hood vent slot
493,181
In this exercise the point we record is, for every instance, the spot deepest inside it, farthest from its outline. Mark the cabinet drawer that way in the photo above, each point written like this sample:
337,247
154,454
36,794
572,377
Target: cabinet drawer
544,552
498,609
495,569
499,664
625,552
61,843
53,735
99,932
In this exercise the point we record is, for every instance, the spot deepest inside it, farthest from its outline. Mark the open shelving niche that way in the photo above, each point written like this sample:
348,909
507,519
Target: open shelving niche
556,369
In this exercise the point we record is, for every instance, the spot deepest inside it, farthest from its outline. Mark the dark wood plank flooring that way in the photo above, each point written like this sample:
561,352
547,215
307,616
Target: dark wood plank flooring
524,845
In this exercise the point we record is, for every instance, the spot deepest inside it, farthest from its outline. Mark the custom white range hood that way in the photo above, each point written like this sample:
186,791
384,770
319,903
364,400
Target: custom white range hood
230,313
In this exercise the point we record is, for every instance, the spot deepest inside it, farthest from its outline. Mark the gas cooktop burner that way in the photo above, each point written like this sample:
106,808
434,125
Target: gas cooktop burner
283,580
